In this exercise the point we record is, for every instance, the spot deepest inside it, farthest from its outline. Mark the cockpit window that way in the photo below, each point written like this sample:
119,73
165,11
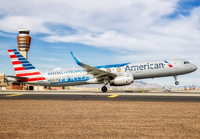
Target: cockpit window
186,62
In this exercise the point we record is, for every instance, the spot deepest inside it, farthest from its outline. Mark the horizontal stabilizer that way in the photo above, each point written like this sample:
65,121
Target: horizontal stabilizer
16,77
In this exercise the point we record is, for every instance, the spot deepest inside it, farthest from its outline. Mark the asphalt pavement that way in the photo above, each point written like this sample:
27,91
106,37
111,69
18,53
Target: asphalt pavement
98,96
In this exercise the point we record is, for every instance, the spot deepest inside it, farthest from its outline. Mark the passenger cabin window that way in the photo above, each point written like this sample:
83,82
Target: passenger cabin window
186,62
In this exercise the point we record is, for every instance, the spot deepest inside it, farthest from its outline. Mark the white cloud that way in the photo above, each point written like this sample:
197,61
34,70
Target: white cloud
128,25
50,59
91,15
131,25
110,39
14,23
118,25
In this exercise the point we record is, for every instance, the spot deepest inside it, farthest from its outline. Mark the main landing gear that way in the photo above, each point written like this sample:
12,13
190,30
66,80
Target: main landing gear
176,82
104,89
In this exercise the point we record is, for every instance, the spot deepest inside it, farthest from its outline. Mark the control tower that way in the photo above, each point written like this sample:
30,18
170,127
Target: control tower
23,42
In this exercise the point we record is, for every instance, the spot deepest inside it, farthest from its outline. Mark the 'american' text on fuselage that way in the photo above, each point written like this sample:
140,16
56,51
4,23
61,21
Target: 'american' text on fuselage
144,67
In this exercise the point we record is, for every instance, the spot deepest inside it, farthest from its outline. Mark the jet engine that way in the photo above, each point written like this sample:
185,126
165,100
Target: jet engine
125,79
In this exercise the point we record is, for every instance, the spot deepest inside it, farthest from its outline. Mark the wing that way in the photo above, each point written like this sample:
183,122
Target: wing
94,71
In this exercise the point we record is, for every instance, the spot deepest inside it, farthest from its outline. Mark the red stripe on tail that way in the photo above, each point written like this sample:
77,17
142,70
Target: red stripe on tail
13,56
19,68
16,62
10,50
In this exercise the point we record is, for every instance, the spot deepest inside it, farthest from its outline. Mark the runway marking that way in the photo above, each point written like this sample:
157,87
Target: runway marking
142,92
13,95
112,96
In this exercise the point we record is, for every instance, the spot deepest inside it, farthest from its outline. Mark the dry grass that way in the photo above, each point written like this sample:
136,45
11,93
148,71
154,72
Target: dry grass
98,119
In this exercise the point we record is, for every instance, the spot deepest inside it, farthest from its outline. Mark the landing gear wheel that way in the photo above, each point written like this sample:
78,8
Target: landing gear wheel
104,89
176,83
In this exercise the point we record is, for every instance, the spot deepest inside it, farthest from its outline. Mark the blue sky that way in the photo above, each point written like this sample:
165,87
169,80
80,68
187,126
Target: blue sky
103,32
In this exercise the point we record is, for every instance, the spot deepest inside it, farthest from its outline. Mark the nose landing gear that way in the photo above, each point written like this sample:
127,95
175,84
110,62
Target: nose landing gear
176,82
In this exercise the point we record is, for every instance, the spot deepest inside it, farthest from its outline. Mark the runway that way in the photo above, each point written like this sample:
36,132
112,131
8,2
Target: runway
98,96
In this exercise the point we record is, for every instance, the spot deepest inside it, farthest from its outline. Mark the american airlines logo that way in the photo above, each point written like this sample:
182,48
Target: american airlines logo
147,66
168,64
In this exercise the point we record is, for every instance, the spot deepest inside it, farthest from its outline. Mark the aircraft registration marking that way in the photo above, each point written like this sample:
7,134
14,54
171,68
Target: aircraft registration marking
112,96
13,95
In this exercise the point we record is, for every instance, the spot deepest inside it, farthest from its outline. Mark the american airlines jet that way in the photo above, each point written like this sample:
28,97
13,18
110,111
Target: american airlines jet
115,75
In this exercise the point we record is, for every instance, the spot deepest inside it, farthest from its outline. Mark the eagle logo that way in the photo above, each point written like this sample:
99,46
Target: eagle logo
118,69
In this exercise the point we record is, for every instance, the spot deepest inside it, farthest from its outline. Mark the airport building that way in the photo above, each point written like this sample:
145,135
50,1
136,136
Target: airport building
3,84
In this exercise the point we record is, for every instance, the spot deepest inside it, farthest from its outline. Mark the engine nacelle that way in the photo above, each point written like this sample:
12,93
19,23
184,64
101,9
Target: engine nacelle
125,79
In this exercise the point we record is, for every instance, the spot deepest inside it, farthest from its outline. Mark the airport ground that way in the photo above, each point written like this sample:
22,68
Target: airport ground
109,117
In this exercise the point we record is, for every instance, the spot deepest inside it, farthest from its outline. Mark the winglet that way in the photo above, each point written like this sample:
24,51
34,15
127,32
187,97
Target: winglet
78,61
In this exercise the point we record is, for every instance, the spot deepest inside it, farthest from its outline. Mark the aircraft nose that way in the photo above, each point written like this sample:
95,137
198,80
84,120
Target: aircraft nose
194,67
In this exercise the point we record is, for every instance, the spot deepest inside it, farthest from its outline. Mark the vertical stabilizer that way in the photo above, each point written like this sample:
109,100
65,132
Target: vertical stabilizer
23,68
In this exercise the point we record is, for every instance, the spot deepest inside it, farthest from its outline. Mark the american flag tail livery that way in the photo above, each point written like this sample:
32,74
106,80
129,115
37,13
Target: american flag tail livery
25,71
185,88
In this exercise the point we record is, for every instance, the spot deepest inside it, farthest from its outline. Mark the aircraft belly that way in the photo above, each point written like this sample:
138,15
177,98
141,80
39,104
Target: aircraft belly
153,74
69,84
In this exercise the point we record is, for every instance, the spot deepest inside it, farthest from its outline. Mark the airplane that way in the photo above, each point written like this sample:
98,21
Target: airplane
115,75
190,87
167,89
193,87
185,88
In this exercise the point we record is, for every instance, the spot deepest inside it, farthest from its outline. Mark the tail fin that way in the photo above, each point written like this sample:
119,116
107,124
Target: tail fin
24,70
185,88
193,87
